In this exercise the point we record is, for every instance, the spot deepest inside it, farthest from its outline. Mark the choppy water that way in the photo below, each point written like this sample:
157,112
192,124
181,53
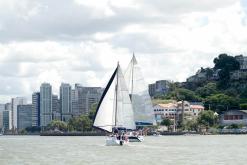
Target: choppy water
165,150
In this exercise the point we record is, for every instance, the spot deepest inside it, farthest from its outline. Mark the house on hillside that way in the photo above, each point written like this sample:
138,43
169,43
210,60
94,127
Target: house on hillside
234,117
174,109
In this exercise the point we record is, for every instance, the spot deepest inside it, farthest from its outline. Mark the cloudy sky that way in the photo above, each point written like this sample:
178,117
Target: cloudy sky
80,41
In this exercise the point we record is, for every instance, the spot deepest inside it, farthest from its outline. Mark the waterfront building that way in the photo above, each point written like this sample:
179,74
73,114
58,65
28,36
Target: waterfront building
233,117
7,121
175,110
162,111
159,88
74,102
24,116
56,112
65,102
84,97
14,103
2,108
36,109
45,104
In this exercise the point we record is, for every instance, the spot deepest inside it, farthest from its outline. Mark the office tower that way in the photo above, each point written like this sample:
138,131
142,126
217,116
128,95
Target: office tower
65,101
7,121
14,103
74,100
45,104
56,114
24,116
2,108
36,109
86,96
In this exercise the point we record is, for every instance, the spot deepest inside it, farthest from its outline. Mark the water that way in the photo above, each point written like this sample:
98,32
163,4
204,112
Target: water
165,150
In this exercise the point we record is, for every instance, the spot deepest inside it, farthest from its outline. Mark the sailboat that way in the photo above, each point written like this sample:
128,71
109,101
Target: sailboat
140,99
114,111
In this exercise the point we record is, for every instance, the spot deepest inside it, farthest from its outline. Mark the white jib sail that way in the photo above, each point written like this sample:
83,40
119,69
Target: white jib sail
115,108
141,101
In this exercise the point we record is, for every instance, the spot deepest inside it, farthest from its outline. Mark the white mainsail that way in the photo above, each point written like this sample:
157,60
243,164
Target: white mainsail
141,101
115,108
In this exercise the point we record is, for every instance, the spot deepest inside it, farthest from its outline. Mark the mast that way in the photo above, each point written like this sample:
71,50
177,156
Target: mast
116,92
132,76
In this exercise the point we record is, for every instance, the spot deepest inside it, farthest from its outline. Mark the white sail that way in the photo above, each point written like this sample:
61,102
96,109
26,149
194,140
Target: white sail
141,101
115,108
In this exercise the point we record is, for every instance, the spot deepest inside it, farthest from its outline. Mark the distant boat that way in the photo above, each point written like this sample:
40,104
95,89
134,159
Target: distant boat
114,112
140,98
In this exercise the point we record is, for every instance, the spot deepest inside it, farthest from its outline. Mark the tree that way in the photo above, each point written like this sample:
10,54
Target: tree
207,118
56,124
226,64
166,122
92,111
207,90
82,123
243,106
190,125
221,102
185,94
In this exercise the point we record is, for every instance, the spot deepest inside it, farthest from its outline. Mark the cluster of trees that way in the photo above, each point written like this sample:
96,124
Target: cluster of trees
217,95
78,124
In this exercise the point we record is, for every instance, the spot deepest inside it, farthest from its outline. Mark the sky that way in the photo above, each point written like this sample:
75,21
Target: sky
79,41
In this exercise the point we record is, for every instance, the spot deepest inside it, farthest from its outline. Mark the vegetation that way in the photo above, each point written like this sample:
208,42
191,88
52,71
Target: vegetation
166,122
57,125
82,123
218,94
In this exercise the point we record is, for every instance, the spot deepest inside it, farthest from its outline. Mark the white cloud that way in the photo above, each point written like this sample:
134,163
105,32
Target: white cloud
81,41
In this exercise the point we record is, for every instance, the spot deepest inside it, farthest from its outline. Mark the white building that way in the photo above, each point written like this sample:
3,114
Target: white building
14,103
171,110
162,111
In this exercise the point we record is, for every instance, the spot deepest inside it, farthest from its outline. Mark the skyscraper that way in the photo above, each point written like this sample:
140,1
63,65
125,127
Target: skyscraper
36,109
7,121
24,116
14,103
86,96
65,101
56,114
2,108
45,104
74,100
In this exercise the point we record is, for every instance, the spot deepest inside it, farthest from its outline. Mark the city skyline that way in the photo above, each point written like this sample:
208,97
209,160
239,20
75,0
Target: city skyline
40,42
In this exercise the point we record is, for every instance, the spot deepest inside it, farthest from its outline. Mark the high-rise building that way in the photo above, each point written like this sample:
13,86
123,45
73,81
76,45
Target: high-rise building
56,114
86,96
24,116
74,101
45,104
36,109
7,117
65,101
7,121
2,108
8,106
14,103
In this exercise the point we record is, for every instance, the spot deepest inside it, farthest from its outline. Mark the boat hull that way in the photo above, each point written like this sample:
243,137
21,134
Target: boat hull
136,138
113,141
